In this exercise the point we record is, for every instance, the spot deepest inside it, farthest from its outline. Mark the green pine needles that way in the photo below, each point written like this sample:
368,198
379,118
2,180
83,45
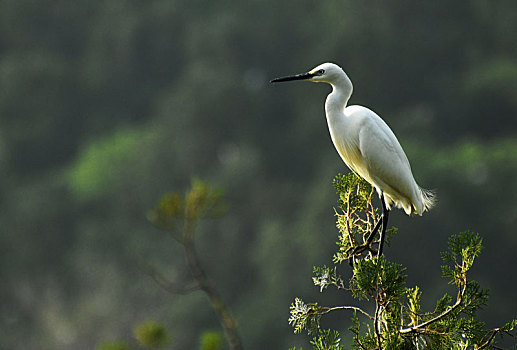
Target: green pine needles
395,319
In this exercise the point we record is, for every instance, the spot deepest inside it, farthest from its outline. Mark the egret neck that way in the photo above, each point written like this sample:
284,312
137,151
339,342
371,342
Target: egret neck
337,100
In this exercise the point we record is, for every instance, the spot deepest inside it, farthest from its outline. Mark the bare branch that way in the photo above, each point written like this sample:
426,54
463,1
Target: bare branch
169,286
360,344
376,324
418,327
220,307
492,335
326,310
348,230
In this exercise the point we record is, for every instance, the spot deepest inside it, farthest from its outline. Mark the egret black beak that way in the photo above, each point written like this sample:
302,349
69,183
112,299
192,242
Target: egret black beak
303,76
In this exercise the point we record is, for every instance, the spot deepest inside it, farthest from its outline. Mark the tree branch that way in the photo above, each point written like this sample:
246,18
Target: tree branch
169,286
327,309
492,335
459,300
376,324
221,309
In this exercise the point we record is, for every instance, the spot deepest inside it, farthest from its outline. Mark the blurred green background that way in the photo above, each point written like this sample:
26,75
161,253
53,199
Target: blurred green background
107,105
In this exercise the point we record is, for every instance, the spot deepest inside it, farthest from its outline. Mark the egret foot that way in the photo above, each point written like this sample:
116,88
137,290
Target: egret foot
367,245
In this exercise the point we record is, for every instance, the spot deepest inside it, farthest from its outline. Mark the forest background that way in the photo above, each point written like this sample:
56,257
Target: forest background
107,105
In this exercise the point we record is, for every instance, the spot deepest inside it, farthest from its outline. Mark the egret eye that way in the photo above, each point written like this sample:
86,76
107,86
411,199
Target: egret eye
321,72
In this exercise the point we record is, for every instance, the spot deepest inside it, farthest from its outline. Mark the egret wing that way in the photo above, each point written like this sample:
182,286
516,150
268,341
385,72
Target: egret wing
384,159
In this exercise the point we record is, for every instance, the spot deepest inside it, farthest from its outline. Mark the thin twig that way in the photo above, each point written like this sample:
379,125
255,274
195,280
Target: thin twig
376,323
174,288
360,344
348,230
326,310
485,344
169,286
223,312
493,333
442,315
496,347
173,231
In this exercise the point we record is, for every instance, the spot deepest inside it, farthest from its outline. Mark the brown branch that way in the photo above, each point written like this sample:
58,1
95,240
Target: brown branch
376,324
496,347
171,230
360,344
458,302
327,310
348,230
169,286
223,312
493,333
485,344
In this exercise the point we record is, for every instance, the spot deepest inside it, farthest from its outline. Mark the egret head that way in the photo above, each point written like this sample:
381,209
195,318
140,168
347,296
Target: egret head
324,73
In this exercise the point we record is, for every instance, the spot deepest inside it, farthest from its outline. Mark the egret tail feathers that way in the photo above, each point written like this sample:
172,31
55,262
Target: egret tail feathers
428,199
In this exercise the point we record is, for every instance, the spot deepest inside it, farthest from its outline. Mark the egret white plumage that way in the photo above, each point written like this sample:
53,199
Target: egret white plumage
368,147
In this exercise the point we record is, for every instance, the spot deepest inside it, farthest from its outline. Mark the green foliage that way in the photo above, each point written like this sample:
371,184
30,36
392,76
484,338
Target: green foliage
176,213
398,321
99,166
353,191
113,346
377,276
327,339
325,276
355,200
305,316
463,249
356,218
152,335
211,340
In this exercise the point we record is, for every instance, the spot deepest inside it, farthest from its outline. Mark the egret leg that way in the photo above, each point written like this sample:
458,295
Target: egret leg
385,215
365,245
370,238
384,221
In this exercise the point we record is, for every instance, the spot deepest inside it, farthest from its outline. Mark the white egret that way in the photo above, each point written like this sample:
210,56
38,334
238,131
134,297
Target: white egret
368,147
